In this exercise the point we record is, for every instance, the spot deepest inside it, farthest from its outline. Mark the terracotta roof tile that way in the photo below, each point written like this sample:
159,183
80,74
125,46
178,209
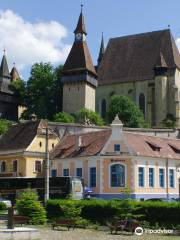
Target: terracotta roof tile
92,144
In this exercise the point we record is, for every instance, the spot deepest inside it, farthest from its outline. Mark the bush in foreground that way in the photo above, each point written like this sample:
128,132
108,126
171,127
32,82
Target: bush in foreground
28,205
163,214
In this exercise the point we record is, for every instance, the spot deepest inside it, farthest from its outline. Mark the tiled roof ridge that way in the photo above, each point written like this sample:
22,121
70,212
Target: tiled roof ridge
141,34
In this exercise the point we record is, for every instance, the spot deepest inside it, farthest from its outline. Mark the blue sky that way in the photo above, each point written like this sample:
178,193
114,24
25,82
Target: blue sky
31,21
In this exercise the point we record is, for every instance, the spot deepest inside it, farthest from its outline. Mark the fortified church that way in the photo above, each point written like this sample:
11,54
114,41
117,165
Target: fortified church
144,67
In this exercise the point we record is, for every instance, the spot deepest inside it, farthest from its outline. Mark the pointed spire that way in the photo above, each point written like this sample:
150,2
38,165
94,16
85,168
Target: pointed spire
102,50
14,73
4,70
81,24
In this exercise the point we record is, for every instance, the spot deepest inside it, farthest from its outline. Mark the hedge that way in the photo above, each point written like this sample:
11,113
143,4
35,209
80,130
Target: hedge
2,206
101,211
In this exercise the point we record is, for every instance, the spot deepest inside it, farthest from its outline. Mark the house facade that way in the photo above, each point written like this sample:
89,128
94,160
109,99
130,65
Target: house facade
22,149
114,163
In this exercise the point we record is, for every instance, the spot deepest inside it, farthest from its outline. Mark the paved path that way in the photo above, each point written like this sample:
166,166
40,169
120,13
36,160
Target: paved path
81,234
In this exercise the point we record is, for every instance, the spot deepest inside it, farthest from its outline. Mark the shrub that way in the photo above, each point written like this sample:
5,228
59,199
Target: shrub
28,205
93,210
86,116
2,206
101,211
4,126
128,112
169,121
63,117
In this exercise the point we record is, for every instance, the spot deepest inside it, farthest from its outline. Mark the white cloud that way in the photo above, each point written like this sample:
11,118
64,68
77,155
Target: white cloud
27,43
178,43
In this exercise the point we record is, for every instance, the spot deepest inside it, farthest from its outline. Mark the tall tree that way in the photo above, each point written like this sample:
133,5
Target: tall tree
43,89
128,111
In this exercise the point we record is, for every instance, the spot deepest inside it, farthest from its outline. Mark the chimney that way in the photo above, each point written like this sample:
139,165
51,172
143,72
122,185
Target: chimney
116,127
78,142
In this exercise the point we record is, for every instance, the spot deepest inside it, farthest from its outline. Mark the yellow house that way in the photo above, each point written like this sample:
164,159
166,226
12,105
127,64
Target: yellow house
22,149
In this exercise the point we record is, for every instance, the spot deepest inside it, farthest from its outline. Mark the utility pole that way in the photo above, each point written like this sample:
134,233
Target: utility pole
47,166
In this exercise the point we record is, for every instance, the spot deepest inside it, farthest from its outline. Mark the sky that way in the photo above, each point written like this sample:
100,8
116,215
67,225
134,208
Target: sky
42,30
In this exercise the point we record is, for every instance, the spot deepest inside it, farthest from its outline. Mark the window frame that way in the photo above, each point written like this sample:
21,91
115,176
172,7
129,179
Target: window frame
13,166
65,169
78,168
151,184
125,175
143,185
36,166
90,179
160,178
171,186
119,147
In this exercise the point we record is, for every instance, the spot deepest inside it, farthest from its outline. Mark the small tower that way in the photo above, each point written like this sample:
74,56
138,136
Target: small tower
8,100
101,51
79,75
4,75
14,74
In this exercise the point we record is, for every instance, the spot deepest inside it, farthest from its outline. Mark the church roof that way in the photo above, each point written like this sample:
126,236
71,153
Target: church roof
4,70
101,51
79,59
80,28
133,58
14,74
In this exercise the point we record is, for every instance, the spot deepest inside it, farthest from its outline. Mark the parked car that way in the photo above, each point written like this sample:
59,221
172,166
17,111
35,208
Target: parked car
7,202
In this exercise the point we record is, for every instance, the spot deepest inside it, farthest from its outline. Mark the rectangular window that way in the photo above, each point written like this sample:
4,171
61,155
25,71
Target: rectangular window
15,166
78,172
161,178
117,147
53,173
151,177
92,177
38,166
171,178
141,176
66,172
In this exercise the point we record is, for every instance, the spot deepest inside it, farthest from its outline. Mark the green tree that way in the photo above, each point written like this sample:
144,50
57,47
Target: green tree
86,116
4,126
63,117
28,205
19,88
127,110
43,88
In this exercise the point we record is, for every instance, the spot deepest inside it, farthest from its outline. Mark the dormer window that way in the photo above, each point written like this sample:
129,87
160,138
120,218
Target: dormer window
117,147
154,146
175,148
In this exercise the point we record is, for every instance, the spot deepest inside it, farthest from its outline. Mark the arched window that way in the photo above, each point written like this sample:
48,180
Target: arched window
103,108
142,104
3,166
117,175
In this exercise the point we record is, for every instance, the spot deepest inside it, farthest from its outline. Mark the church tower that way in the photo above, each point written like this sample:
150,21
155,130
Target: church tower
79,75
8,100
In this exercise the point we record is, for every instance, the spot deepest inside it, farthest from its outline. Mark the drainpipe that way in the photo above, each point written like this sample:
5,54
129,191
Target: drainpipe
167,179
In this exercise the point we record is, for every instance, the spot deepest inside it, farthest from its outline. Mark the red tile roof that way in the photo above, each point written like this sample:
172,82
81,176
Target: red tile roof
93,143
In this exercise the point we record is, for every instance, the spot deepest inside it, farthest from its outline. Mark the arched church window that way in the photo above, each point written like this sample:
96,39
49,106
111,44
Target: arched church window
142,104
103,108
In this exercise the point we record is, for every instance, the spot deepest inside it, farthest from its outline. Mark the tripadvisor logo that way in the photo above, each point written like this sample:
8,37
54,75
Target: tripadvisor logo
139,231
